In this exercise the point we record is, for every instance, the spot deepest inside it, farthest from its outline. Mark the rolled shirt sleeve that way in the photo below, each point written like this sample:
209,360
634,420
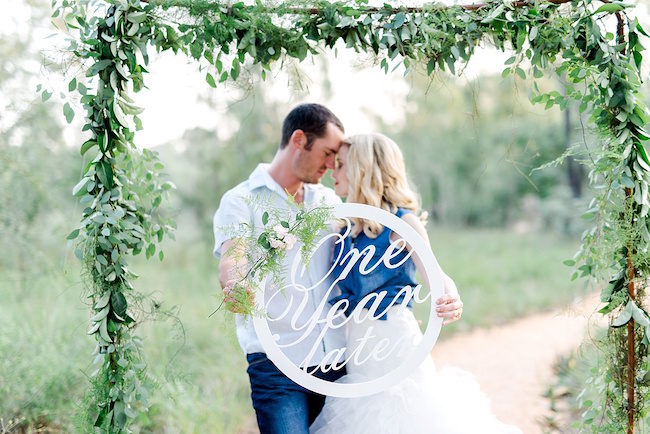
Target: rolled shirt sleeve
232,212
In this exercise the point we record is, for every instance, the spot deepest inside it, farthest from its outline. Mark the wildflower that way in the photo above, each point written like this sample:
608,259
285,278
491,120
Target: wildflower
289,240
280,230
277,244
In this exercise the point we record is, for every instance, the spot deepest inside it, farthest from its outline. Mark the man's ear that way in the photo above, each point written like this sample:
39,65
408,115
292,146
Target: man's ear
298,139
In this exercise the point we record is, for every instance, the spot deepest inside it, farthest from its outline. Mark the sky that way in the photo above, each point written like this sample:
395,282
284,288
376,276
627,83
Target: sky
177,90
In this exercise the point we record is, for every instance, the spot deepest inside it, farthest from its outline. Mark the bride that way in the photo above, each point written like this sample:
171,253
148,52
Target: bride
370,170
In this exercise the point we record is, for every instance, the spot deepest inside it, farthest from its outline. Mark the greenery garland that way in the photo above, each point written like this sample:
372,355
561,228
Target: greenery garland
122,186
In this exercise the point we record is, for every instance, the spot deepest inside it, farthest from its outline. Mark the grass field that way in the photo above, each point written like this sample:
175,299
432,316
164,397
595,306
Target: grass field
501,275
195,359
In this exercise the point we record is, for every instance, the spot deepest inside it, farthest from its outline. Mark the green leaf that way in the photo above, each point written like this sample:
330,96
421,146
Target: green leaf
210,79
234,72
265,218
72,85
589,215
137,17
120,417
610,8
495,13
196,49
100,143
45,95
431,66
624,317
118,302
68,112
399,20
102,415
99,66
533,33
521,73
87,145
151,250
641,149
79,187
638,315
105,173
626,181
263,240
74,234
569,262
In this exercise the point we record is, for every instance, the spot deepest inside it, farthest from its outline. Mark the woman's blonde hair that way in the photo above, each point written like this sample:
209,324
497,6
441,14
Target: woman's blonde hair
377,176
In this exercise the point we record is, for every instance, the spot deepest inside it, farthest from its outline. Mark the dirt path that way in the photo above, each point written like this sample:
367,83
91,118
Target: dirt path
514,362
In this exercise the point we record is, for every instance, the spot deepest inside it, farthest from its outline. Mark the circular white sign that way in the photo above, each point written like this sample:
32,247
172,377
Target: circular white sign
423,349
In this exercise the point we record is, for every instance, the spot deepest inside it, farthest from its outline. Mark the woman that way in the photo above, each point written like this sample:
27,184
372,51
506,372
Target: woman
370,170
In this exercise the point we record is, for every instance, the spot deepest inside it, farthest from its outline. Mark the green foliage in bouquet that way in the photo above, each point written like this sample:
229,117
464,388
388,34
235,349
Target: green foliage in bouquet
262,250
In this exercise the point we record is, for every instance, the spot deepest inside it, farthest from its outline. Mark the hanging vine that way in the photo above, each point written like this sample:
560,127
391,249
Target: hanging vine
122,187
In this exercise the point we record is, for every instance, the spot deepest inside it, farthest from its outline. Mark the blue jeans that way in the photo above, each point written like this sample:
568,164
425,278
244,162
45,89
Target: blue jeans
282,406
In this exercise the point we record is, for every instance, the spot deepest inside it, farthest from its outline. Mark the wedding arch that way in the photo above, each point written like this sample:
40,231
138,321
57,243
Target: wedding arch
122,187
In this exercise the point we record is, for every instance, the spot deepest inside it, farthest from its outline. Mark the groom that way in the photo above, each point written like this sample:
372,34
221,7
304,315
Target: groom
311,137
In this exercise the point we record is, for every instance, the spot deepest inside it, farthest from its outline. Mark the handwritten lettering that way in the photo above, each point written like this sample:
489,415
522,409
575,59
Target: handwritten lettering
324,317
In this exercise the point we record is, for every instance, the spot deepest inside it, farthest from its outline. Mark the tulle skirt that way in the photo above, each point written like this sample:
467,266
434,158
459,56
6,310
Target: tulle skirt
445,401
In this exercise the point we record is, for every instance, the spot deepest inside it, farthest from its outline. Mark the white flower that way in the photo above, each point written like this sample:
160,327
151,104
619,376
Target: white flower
277,244
290,240
280,230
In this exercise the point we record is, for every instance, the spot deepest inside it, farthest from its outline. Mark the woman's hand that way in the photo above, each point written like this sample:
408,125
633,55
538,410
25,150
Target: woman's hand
449,307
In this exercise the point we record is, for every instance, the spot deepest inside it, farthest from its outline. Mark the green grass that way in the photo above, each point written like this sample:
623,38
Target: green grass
44,349
199,363
196,361
501,275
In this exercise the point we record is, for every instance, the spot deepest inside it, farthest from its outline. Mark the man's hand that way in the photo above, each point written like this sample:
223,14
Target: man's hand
238,299
450,307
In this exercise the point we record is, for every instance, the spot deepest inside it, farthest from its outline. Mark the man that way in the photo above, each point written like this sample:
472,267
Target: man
311,137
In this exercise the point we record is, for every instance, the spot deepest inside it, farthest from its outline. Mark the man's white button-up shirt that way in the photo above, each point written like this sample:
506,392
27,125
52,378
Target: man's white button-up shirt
236,208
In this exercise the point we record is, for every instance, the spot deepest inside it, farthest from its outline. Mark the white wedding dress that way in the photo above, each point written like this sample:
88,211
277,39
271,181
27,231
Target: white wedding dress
429,401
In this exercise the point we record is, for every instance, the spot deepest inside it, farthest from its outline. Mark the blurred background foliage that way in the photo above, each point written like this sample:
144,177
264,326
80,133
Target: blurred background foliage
499,230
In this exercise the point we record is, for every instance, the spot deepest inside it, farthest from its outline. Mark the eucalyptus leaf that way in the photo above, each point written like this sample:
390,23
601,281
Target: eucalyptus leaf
210,79
624,317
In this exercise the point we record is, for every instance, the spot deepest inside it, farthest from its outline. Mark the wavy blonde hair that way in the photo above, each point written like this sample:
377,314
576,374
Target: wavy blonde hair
377,176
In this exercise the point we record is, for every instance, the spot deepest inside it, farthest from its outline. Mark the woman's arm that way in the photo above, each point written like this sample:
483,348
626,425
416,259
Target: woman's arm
450,305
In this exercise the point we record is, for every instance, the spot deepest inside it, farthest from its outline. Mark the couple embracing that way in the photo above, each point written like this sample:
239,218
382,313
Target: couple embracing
367,169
